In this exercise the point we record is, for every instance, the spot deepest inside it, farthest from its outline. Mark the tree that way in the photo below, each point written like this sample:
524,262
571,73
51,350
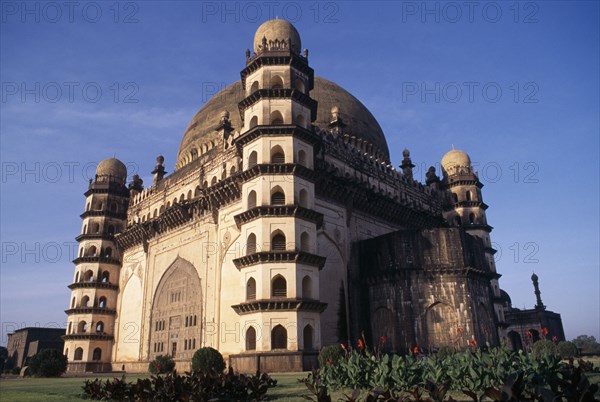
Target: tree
161,365
207,358
587,344
48,363
3,357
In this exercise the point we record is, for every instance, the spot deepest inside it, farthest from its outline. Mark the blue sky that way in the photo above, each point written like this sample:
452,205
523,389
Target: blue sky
516,85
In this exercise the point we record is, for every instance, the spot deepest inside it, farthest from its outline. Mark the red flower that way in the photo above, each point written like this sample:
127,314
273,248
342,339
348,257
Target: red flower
329,361
472,342
459,330
343,346
530,334
554,339
544,331
416,350
383,339
158,366
361,344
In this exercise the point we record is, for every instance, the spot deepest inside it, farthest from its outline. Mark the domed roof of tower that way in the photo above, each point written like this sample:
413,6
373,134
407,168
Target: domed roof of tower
111,169
455,159
277,30
201,135
505,298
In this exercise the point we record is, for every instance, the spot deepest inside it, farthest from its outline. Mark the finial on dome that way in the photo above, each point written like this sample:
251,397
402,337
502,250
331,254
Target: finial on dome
406,153
335,112
225,115
305,53
247,53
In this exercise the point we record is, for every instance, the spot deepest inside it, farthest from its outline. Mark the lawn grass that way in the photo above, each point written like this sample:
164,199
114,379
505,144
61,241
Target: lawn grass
68,389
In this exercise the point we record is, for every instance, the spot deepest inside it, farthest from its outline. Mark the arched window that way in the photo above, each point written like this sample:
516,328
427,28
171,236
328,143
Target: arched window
232,171
252,199
181,198
302,157
305,242
100,327
105,277
85,301
278,242
77,277
252,159
468,194
108,252
251,244
99,206
155,214
70,328
276,117
457,220
278,337
78,354
276,82
251,339
87,207
277,196
89,276
279,287
189,195
194,153
307,287
303,198
253,121
472,218
277,155
102,302
299,85
197,191
308,337
82,327
111,229
251,289
254,87
91,251
85,229
213,181
97,355
300,121
73,303
455,197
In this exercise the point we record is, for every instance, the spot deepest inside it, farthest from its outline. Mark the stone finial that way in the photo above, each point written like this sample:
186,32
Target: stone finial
264,43
407,165
224,116
431,177
137,184
247,53
335,113
159,170
538,295
306,53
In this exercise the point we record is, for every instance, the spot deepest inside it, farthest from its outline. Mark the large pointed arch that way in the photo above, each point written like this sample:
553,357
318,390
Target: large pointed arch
178,297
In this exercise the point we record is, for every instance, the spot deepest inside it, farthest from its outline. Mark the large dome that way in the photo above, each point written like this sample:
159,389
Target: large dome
358,119
111,169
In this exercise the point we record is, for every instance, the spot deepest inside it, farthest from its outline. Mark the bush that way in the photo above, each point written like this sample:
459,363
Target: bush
543,349
161,365
15,370
48,363
445,351
330,355
207,358
567,350
198,386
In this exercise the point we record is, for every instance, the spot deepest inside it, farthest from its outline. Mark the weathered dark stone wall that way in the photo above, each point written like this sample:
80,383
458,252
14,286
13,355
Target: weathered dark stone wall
425,288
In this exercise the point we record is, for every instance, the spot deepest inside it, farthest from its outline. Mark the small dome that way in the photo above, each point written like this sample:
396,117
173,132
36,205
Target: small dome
111,169
280,30
455,159
505,298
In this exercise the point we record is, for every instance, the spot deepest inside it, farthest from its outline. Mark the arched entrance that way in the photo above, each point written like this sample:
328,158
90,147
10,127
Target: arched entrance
176,312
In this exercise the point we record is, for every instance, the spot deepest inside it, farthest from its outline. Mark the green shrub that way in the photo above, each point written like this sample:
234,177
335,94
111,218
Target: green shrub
48,363
567,350
445,351
207,358
15,370
161,365
330,355
543,349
